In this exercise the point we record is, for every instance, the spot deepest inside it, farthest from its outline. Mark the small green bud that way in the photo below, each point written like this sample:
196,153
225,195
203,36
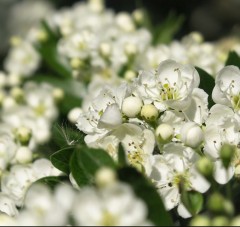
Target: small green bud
215,203
23,135
226,153
200,220
205,167
220,221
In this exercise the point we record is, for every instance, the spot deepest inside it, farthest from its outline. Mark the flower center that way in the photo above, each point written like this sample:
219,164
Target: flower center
236,102
108,219
169,93
181,179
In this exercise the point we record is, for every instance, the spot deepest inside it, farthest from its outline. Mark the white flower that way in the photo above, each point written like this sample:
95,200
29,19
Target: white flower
170,86
176,166
16,182
227,87
115,205
7,205
22,59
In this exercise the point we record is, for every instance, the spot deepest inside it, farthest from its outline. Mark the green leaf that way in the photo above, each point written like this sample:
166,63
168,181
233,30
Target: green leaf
67,135
78,172
207,83
93,159
122,159
233,59
147,192
193,201
165,32
61,159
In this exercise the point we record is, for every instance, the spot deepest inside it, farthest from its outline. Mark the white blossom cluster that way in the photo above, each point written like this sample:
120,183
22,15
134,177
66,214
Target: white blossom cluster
146,98
163,122
112,204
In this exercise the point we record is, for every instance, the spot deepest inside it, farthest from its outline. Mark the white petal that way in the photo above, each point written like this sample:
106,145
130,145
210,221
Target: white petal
199,183
183,212
111,117
221,175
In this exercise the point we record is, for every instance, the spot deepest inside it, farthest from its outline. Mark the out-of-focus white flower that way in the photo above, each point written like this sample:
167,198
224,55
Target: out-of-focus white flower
115,205
22,60
16,182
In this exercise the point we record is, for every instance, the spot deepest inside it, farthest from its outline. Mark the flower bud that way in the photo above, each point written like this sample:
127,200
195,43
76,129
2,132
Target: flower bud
74,114
76,63
130,49
105,176
200,220
23,135
58,94
149,112
191,134
23,155
235,221
105,49
226,154
220,221
205,167
42,35
17,93
131,106
164,133
129,75
138,16
215,203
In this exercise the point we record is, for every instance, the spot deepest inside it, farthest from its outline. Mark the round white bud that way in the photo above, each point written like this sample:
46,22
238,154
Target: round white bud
130,49
132,106
74,114
105,49
105,176
191,134
164,133
125,22
42,35
129,75
138,16
58,94
23,155
76,63
149,112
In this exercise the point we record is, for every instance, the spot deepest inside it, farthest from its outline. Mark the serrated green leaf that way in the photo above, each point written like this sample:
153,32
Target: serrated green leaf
78,172
67,135
193,201
147,192
93,159
61,159
207,83
122,159
233,59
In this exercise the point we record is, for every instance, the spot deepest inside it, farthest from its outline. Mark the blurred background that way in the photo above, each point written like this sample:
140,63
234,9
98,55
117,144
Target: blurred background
215,19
